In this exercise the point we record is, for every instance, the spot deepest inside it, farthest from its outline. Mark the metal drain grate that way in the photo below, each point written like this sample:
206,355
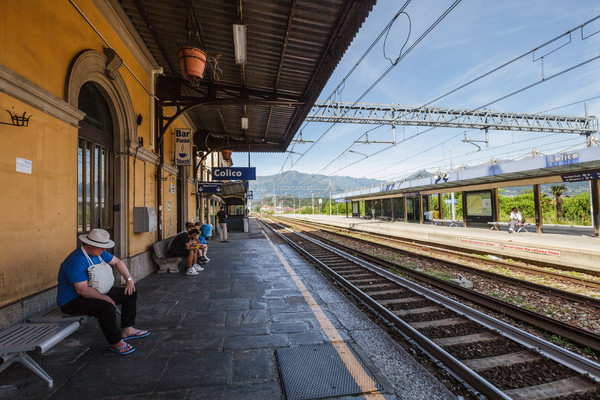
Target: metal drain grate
314,372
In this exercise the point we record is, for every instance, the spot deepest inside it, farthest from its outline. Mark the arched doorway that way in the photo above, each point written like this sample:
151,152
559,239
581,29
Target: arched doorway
110,128
95,166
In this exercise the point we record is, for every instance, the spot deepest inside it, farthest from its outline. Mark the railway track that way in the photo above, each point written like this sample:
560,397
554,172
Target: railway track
567,295
588,340
494,358
530,267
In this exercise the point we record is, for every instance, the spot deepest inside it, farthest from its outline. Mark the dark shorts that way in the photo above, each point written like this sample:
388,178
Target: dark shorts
180,253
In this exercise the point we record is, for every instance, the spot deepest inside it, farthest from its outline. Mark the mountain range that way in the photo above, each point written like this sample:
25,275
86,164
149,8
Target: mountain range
305,185
308,185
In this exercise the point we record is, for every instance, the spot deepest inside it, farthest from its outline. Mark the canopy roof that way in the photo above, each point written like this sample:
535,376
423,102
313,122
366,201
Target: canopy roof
293,47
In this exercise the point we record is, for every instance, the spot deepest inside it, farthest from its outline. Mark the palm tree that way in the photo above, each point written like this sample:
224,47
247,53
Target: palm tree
557,191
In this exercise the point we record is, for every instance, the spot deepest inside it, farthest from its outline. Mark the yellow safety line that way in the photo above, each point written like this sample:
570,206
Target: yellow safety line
361,377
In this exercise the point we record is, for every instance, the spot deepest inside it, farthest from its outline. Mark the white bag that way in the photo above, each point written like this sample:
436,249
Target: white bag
100,276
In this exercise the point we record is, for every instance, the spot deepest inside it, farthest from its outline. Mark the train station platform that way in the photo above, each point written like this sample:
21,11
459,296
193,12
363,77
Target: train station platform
576,252
258,323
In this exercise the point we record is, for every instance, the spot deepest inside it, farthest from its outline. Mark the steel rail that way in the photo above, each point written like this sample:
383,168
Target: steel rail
552,351
576,334
455,250
458,369
564,294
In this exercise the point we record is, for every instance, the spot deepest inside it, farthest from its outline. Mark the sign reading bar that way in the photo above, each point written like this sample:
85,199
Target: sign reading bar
234,174
584,176
183,147
209,187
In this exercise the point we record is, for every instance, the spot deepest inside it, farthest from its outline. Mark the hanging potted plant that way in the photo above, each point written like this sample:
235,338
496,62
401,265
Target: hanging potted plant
192,59
226,154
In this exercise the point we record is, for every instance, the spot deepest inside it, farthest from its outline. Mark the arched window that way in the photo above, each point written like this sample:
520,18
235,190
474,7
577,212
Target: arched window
95,162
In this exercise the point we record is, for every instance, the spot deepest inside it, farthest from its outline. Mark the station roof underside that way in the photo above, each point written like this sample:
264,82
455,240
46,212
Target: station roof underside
531,171
293,47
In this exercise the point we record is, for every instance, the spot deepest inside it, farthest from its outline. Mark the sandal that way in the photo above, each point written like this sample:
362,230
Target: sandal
123,350
138,334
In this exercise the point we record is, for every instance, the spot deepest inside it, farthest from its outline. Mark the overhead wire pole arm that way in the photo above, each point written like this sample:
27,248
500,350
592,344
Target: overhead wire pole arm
384,114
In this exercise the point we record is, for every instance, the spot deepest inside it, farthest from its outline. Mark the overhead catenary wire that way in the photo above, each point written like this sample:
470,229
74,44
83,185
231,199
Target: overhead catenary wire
501,146
431,27
493,101
343,82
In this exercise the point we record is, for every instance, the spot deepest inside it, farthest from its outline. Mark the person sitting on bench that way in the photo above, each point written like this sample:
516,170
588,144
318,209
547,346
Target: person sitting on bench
76,297
515,219
184,245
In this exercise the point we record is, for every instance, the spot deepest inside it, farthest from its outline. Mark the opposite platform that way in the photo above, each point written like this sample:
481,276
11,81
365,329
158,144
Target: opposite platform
581,253
228,333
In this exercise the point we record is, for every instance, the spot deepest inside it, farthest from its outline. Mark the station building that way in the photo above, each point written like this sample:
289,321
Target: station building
93,95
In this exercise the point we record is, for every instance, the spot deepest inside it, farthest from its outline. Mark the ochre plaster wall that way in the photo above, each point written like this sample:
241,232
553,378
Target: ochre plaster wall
191,203
142,194
39,40
38,210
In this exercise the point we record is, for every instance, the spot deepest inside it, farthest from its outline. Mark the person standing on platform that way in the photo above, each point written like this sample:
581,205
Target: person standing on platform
222,218
515,219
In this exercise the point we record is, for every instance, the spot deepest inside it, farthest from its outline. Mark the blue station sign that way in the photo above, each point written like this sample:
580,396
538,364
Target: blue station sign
209,187
234,174
583,176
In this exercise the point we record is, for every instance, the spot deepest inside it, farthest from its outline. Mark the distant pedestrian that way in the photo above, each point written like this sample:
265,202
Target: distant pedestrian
515,219
222,218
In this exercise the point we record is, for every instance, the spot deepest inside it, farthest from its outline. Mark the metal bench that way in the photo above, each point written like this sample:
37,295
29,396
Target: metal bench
160,257
17,340
496,226
54,314
441,222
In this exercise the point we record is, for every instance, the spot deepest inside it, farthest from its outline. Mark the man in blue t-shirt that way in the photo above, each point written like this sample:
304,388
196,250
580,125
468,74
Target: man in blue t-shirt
75,297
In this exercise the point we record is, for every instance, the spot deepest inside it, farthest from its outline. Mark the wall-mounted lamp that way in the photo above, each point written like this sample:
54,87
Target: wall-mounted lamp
244,122
139,119
17,120
239,43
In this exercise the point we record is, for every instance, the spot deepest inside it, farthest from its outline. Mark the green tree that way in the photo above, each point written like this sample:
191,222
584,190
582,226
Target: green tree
577,208
557,191
524,202
306,210
448,207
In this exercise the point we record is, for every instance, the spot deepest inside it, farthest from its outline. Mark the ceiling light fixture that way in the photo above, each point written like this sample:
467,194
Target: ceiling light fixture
244,122
239,43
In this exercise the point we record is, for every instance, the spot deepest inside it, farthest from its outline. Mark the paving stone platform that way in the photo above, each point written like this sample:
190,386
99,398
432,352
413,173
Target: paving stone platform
215,336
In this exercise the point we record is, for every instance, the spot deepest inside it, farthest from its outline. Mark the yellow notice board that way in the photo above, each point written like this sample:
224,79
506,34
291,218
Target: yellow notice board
479,203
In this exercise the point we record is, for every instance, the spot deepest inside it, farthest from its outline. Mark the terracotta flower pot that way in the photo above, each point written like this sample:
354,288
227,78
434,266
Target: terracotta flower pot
226,154
192,62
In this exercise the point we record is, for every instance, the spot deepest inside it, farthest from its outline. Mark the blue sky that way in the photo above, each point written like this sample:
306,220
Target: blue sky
475,37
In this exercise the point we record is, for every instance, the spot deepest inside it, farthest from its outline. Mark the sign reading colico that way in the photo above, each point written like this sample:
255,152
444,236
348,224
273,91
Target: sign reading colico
234,174
183,147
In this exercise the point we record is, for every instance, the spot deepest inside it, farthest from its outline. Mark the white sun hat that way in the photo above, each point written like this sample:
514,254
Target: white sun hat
98,238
